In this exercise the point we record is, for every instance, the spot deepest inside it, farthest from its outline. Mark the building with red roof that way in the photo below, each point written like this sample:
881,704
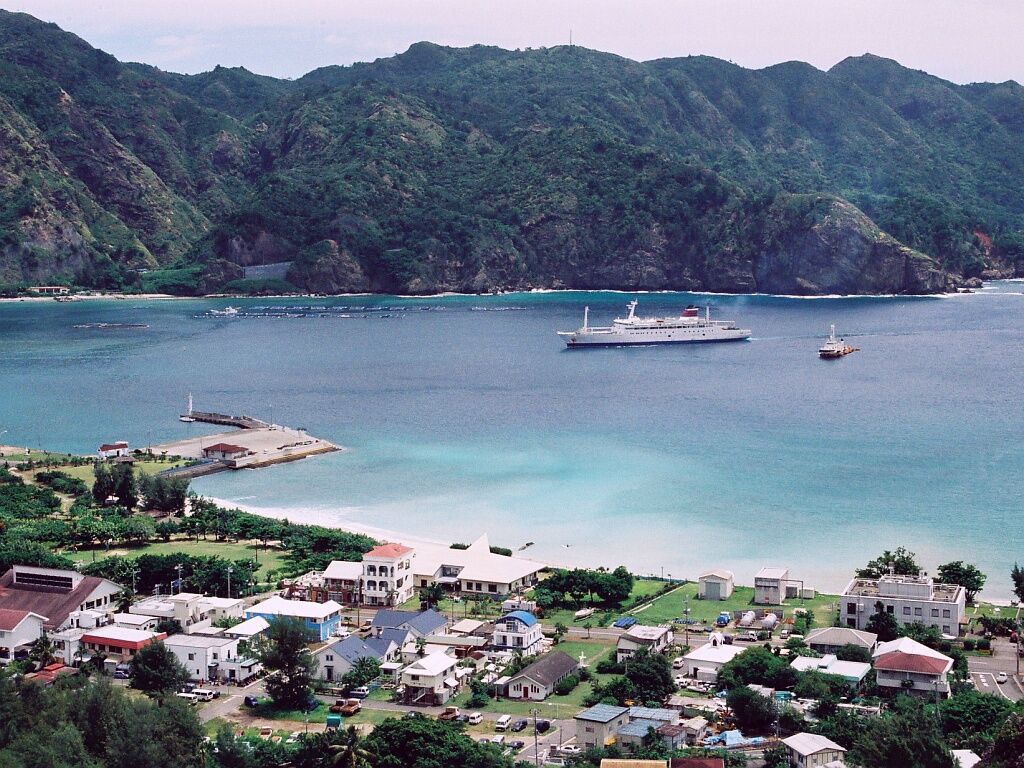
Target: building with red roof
112,640
18,630
112,450
224,451
912,667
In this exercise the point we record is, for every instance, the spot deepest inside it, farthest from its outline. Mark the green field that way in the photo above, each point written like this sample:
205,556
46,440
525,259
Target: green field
604,615
671,606
269,559
85,472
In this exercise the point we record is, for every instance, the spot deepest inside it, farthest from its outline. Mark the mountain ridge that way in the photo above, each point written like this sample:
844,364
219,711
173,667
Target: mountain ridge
482,169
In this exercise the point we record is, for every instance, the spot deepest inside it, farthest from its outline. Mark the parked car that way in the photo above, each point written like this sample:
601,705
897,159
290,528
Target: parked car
450,713
750,637
499,739
266,732
120,674
783,634
680,681
474,718
359,693
543,726
519,725
678,662
251,701
1001,677
569,749
516,744
503,722
727,639
412,715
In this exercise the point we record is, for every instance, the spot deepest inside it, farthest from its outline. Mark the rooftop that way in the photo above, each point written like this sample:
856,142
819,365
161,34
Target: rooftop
905,588
343,570
10,618
424,622
806,744
720,573
898,661
908,645
839,636
718,654
549,668
302,609
526,618
121,635
432,664
772,572
653,713
644,632
53,602
602,713
199,641
476,563
639,728
388,551
133,619
249,627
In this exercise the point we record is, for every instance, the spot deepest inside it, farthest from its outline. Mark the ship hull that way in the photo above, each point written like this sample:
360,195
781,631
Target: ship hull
580,340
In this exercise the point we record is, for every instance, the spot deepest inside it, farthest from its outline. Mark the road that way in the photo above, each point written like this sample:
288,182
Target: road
985,668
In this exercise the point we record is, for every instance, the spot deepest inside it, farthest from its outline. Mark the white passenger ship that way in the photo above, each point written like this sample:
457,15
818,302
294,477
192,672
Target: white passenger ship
688,327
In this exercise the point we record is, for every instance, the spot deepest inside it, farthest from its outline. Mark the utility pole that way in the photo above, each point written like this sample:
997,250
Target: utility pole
179,567
536,739
135,573
230,568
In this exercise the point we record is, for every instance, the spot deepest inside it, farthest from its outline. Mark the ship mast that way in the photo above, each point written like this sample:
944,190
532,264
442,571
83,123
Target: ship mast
586,317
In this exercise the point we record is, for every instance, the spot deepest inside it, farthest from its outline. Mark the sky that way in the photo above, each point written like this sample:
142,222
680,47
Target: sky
959,40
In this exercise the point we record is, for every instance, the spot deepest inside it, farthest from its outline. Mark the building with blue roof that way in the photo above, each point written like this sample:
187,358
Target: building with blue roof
334,660
419,623
633,734
597,726
518,631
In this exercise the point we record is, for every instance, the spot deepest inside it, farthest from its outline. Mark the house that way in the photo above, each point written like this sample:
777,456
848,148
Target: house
474,570
55,593
827,640
417,623
113,450
518,631
538,681
335,660
852,672
608,762
225,451
637,733
695,728
387,575
912,667
18,630
770,585
519,604
654,639
431,680
461,646
214,658
49,290
193,611
248,629
809,750
320,619
910,599
467,627
704,661
342,580
716,584
132,621
597,726
654,713
117,642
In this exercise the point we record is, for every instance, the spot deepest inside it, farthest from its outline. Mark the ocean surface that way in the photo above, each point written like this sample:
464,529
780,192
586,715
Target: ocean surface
464,414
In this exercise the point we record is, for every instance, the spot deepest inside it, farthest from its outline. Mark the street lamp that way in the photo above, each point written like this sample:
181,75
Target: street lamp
179,567
536,739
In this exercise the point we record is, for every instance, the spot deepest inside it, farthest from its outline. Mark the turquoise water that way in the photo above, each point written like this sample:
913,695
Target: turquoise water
465,414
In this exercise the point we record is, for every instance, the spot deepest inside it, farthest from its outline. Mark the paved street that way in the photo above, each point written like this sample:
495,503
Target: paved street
1003,659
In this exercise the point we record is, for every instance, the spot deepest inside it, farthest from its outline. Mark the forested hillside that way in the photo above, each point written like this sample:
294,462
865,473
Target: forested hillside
480,169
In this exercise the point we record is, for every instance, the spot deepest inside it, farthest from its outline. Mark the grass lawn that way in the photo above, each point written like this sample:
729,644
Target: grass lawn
268,558
670,606
85,472
463,609
605,614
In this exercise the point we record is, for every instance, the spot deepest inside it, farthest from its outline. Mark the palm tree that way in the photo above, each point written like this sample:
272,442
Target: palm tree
349,753
42,651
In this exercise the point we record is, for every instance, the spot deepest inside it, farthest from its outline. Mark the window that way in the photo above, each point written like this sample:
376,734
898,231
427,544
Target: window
935,612
890,609
906,610
191,657
214,655
945,628
492,587
945,613
851,608
917,611
328,657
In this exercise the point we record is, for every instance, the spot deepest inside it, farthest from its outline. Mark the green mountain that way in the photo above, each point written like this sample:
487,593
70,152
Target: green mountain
479,169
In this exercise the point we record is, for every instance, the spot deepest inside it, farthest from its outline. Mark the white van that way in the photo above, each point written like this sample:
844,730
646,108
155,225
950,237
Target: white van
475,718
191,698
204,694
503,722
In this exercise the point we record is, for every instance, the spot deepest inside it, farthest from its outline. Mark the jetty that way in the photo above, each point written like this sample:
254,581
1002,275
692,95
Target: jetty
252,443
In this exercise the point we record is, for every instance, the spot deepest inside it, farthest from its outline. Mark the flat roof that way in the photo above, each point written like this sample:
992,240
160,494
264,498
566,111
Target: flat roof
303,609
772,572
198,641
343,570
602,713
120,634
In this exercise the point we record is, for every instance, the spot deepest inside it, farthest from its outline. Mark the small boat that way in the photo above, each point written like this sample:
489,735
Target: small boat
833,347
226,312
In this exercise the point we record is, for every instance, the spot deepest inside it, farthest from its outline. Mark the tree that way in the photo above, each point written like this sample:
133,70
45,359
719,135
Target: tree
103,484
428,743
901,562
910,738
156,671
124,599
365,670
169,626
964,574
560,631
1007,749
478,697
970,719
42,651
431,595
850,652
167,528
883,624
618,689
651,675
566,685
588,625
122,476
349,753
283,652
759,666
1017,576
754,711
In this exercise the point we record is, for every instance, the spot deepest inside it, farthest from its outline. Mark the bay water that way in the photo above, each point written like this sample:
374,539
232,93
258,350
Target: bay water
461,415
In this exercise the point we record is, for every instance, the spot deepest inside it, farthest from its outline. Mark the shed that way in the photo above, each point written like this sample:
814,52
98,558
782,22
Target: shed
716,584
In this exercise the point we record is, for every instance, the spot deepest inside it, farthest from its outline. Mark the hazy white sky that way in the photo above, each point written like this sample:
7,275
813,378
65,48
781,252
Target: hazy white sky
961,40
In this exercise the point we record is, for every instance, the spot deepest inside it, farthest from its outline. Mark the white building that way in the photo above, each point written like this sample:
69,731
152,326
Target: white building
910,599
654,639
133,621
213,657
911,667
117,642
770,585
704,662
113,450
716,584
336,659
18,630
430,681
827,640
387,575
248,629
194,612
538,680
475,570
343,581
809,750
518,631
852,672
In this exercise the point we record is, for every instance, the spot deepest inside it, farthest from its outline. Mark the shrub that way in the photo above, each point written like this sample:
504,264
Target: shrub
969,644
567,685
984,644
